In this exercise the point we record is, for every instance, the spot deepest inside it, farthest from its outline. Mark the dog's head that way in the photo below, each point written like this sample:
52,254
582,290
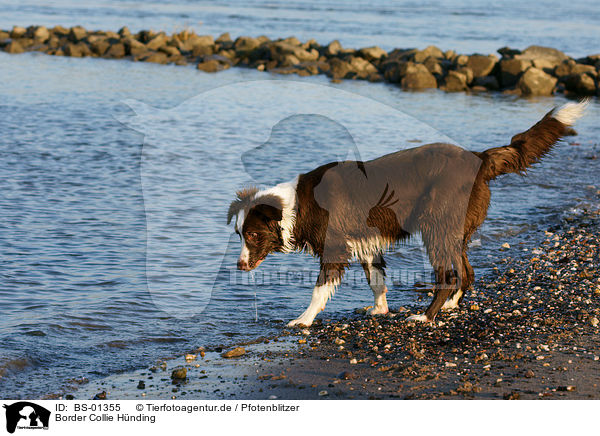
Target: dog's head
259,225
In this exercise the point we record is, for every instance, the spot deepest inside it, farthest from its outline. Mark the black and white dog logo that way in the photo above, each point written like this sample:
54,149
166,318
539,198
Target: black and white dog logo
26,415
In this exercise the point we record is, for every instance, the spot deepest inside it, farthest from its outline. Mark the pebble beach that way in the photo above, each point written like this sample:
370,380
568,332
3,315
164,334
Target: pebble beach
529,331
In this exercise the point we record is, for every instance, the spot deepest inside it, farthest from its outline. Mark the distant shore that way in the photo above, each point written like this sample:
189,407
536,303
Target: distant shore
533,71
530,331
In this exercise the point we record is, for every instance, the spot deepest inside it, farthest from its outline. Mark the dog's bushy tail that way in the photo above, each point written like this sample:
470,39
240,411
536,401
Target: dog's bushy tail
529,147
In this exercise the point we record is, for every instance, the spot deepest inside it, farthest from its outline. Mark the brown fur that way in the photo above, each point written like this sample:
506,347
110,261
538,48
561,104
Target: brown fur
439,190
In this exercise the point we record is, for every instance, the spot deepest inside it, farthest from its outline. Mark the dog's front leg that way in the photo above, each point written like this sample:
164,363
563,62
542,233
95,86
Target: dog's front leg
375,274
329,278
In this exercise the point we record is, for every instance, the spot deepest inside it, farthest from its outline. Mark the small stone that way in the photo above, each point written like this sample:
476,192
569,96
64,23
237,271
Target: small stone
506,246
529,374
323,393
346,375
141,385
594,322
474,306
236,352
569,388
272,397
179,374
353,361
339,341
100,396
190,357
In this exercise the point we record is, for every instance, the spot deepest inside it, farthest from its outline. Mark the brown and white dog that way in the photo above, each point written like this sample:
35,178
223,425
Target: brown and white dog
357,210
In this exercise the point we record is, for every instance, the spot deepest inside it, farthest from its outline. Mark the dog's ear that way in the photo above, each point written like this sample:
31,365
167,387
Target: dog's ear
234,209
244,197
272,213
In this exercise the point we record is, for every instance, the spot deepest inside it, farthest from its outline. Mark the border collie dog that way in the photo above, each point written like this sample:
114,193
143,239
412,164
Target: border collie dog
354,210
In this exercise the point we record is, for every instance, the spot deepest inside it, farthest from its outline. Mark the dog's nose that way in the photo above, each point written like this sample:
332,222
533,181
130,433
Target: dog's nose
243,265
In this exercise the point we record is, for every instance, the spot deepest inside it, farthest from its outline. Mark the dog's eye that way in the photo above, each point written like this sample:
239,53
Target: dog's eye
251,236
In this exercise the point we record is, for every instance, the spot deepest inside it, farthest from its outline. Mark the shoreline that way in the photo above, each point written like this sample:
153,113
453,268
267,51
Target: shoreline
529,331
534,71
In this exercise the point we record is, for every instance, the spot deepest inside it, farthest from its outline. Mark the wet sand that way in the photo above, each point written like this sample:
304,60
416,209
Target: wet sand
529,331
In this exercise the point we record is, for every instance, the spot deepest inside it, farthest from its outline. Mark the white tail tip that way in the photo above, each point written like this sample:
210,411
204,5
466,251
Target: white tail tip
568,113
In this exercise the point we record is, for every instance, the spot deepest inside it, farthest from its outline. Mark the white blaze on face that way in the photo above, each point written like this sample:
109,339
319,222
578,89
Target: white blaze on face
245,254
239,225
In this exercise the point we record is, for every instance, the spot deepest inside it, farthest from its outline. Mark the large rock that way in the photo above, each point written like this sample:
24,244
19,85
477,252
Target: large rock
395,70
212,64
481,65
18,32
116,51
288,60
511,70
14,47
434,66
124,32
550,55
223,38
372,53
432,50
203,50
170,50
581,84
535,82
362,67
60,31
157,42
280,49
245,44
340,69
488,82
41,34
99,46
455,82
157,58
418,77
467,72
570,67
134,47
77,33
77,50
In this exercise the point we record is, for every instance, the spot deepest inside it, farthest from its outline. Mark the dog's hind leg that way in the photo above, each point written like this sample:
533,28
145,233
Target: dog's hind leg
444,254
467,279
329,278
375,274
446,280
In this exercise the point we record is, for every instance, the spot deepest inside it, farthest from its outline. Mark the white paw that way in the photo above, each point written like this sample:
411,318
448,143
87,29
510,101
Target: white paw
377,311
300,322
420,318
450,304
